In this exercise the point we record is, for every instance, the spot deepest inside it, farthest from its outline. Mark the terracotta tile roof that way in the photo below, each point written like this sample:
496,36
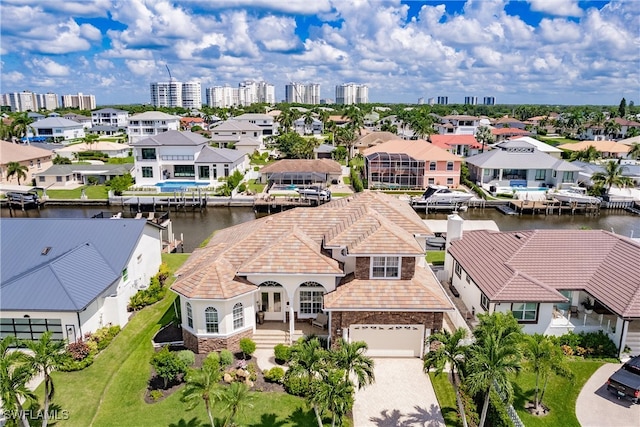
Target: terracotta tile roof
375,138
301,165
10,152
291,242
526,265
418,149
509,131
217,281
422,293
601,146
446,141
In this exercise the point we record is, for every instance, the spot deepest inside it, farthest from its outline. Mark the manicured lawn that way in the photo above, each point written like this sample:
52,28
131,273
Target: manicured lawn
446,399
111,391
560,396
92,192
254,186
346,180
121,160
435,257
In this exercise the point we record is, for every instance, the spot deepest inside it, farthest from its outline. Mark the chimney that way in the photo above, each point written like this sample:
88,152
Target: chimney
454,228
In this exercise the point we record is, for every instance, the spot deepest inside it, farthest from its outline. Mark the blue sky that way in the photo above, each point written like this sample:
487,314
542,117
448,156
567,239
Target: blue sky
535,51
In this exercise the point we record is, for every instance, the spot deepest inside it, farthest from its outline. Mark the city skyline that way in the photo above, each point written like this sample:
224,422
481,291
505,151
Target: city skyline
534,52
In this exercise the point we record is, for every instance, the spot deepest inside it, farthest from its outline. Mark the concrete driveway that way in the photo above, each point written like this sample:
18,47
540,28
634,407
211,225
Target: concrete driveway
597,407
402,396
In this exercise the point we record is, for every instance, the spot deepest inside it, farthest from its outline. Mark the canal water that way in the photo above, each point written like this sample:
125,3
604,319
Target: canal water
197,226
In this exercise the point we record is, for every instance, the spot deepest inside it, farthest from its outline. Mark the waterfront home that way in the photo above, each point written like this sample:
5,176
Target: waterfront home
57,128
503,134
607,149
111,149
243,136
371,139
33,158
545,277
541,146
359,261
460,145
459,124
68,177
301,172
72,276
150,123
399,163
517,163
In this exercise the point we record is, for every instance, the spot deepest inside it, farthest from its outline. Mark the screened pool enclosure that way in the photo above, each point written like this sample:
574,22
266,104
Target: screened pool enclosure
394,170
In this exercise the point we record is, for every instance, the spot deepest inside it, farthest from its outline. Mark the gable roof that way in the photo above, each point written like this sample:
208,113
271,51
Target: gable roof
10,152
501,158
418,149
172,137
292,242
85,258
218,155
535,265
107,168
55,122
375,138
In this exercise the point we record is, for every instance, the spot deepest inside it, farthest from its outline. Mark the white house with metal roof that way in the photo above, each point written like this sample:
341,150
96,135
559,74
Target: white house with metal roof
151,123
72,276
110,117
58,128
544,277
518,163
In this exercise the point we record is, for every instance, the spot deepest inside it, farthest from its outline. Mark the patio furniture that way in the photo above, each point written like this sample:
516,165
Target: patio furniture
320,321
574,310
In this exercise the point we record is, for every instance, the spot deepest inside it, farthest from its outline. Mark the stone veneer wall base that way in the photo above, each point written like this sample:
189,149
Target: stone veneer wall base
209,344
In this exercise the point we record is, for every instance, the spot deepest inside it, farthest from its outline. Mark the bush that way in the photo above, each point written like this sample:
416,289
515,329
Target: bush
297,385
226,358
154,293
282,353
274,375
78,350
187,357
163,273
212,358
68,364
168,366
242,188
248,346
156,395
591,344
103,336
356,182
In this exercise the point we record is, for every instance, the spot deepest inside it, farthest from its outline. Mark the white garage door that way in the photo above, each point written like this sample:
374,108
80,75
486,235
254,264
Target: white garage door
390,340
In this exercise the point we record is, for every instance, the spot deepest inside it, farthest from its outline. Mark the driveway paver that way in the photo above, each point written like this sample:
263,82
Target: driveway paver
402,396
598,407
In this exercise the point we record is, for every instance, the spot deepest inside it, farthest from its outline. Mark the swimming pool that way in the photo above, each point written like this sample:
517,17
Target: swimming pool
172,186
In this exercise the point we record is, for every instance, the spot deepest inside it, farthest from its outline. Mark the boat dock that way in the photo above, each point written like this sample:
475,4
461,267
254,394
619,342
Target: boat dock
551,207
159,204
272,204
420,205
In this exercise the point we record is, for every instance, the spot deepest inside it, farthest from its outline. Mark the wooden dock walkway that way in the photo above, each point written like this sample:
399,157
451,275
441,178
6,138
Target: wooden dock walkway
551,207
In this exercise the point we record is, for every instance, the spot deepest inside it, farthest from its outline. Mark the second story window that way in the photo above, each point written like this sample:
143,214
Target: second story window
449,166
432,166
148,153
385,267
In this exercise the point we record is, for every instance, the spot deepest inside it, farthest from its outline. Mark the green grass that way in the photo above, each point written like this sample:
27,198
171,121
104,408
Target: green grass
255,187
446,399
346,180
560,396
435,257
92,192
111,391
120,160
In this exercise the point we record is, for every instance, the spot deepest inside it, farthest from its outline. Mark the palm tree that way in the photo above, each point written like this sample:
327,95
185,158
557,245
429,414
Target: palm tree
355,117
332,392
490,364
347,137
308,358
15,168
15,373
234,399
589,154
612,175
20,125
450,351
632,131
45,358
422,126
634,151
484,136
611,128
352,359
203,384
308,121
543,357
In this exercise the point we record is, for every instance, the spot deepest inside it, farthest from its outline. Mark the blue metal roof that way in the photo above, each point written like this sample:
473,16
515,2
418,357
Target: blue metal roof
86,257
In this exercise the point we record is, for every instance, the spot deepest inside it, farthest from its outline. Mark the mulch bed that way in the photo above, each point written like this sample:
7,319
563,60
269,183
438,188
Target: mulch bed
531,408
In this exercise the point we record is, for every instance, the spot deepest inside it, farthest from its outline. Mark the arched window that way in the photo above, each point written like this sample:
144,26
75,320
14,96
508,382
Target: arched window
211,320
311,297
238,316
189,316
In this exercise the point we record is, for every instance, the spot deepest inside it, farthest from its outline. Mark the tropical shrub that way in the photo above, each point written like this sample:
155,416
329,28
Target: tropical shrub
187,357
587,344
282,353
248,346
103,336
168,365
274,375
297,385
78,350
156,395
154,293
226,358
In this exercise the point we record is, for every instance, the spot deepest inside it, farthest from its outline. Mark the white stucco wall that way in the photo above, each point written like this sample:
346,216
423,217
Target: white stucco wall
225,314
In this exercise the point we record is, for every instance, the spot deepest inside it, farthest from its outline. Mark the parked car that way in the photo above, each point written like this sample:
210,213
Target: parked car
625,382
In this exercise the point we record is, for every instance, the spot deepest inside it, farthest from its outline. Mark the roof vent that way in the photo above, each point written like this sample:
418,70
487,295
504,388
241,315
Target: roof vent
46,250
518,236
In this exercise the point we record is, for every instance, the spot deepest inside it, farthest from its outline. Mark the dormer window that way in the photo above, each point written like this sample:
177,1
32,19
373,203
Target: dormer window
385,267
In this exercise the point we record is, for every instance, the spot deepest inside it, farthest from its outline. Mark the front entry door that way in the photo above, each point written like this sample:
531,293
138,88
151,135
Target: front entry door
271,304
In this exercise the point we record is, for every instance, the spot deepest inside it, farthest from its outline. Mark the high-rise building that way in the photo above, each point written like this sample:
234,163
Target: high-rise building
247,93
79,101
489,100
29,101
442,100
300,93
176,94
471,100
421,101
351,93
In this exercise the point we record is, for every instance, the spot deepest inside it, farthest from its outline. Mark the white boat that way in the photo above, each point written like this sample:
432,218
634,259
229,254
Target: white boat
315,192
439,194
575,195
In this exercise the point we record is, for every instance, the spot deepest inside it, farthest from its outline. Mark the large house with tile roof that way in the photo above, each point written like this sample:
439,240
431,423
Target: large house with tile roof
544,276
399,163
358,259
33,158
460,145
